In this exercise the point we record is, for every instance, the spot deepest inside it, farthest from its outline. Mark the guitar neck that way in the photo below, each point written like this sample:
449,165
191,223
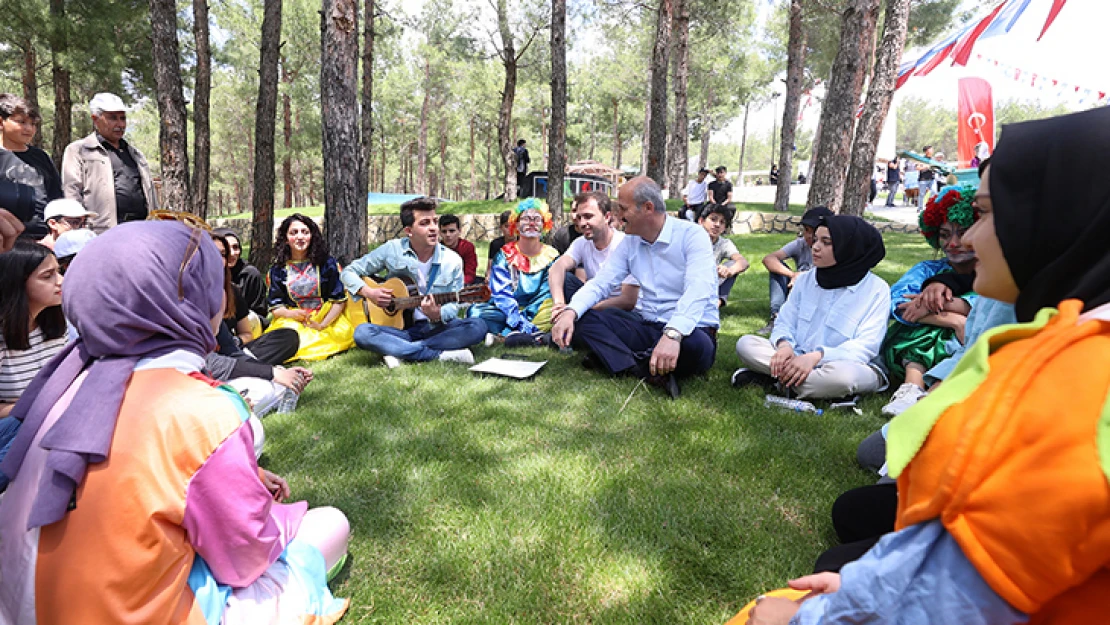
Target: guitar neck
402,303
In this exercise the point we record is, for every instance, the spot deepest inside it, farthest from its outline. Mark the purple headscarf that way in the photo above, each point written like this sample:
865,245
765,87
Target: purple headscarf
124,295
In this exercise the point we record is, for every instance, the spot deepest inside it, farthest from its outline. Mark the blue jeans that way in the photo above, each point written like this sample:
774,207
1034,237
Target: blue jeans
893,189
779,291
9,427
423,341
724,287
923,188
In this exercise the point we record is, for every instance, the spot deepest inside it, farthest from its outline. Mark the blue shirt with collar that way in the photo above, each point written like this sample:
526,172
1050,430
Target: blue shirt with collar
677,275
848,323
397,258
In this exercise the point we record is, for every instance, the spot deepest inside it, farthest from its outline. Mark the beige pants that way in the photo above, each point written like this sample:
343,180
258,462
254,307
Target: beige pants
838,378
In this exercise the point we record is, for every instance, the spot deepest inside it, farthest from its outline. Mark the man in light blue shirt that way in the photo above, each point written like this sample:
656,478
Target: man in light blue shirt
673,333
436,332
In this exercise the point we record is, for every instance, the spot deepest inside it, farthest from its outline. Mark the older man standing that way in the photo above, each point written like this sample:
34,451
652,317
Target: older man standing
104,172
673,335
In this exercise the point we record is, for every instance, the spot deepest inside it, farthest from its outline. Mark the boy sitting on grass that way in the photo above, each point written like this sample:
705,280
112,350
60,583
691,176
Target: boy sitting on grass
717,219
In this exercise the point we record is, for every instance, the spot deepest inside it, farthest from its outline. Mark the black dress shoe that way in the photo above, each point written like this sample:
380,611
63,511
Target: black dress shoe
668,383
745,377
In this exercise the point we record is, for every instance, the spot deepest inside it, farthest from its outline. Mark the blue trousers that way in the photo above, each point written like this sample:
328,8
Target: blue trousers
779,291
423,341
623,342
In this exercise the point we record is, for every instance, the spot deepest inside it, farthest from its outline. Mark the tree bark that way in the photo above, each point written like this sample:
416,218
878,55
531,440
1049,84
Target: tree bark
442,186
202,90
473,174
678,152
557,164
265,122
616,134
743,146
646,138
838,114
344,210
63,103
367,100
287,182
706,130
795,73
876,107
489,163
31,82
422,146
657,127
173,136
508,94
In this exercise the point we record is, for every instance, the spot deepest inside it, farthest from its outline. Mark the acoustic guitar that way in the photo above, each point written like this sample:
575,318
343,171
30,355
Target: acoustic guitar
407,297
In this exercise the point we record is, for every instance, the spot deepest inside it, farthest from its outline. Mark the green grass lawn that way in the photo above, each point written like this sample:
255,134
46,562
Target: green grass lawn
573,498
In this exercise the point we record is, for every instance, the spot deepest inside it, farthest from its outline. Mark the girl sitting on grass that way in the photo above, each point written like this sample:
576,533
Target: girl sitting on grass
927,314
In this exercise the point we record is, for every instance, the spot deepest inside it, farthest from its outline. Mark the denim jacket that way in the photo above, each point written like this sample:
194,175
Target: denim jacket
397,258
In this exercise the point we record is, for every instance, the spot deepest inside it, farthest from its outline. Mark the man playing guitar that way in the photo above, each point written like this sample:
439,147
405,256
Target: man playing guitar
437,332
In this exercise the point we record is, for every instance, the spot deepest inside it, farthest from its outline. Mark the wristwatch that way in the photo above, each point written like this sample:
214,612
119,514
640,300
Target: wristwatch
671,333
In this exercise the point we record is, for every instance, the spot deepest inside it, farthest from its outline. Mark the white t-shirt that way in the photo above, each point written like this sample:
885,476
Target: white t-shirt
586,254
422,270
697,192
723,249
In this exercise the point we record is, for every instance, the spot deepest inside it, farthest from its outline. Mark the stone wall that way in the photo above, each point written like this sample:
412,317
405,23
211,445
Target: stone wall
480,228
746,222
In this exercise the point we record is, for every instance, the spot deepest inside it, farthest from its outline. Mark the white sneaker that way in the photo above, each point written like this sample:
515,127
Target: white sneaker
906,396
457,355
391,361
490,339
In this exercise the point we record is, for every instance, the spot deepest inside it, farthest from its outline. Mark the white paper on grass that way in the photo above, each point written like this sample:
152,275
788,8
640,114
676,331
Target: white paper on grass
517,369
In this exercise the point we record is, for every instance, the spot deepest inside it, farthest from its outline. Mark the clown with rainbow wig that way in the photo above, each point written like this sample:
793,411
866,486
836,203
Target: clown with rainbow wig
521,298
931,302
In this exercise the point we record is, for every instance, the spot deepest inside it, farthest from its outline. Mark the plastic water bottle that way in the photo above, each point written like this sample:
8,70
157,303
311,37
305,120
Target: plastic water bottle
288,401
796,405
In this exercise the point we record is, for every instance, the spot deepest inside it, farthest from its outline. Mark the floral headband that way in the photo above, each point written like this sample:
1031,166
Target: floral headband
526,205
952,203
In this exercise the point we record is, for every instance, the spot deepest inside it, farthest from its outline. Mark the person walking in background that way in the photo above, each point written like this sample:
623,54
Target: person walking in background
520,153
893,180
925,179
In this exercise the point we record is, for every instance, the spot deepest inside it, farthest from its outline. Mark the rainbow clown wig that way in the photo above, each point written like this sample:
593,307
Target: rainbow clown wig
529,204
951,203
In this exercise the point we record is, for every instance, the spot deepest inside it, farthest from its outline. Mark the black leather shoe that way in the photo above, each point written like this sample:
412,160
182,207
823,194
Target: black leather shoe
745,377
668,383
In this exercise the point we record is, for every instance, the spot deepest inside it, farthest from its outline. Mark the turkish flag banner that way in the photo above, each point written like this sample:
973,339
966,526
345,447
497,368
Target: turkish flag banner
976,119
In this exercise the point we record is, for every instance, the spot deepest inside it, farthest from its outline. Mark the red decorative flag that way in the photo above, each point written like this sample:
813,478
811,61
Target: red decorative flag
962,52
1052,13
976,118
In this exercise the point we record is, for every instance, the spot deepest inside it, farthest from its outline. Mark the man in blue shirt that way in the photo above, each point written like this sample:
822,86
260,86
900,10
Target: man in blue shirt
673,332
436,332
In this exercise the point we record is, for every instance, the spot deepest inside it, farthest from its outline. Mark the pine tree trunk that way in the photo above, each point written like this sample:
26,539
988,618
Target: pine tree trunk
63,103
442,156
30,82
265,122
646,138
876,107
202,134
706,130
743,146
678,151
838,114
657,128
422,147
173,136
508,94
489,162
473,175
795,73
557,164
616,134
344,210
367,101
287,182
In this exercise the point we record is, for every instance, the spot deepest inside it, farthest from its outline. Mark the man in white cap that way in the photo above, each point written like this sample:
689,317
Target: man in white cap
64,215
104,172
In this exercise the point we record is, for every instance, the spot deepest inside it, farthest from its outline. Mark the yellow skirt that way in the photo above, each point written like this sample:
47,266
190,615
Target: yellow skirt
319,344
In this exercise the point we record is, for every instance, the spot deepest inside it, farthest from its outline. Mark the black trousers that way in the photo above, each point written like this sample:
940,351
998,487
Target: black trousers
623,342
274,348
861,517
